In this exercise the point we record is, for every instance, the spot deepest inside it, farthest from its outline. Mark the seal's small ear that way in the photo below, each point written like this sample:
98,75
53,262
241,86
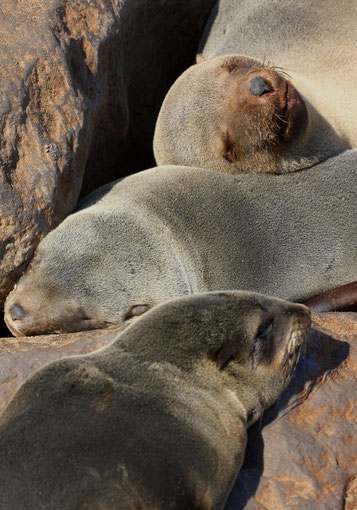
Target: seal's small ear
224,354
227,147
200,58
136,311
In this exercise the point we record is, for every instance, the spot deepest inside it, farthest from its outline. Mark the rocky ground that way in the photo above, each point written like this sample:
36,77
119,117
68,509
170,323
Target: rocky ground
303,453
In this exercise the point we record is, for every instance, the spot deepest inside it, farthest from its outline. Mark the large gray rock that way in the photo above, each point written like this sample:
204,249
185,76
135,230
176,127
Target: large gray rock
81,85
302,456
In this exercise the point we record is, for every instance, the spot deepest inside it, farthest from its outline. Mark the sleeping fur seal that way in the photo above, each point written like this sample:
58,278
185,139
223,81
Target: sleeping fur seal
276,93
170,231
158,419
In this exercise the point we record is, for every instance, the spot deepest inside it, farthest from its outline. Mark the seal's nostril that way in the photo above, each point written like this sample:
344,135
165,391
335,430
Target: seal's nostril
258,87
17,312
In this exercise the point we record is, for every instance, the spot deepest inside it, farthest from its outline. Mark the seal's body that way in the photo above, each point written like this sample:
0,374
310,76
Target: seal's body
171,231
276,93
158,419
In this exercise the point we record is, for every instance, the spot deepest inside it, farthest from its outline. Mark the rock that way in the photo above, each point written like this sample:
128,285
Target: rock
303,455
81,85
20,358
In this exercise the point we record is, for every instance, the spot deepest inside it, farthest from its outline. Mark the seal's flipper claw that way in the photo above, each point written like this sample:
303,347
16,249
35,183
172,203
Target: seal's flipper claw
340,299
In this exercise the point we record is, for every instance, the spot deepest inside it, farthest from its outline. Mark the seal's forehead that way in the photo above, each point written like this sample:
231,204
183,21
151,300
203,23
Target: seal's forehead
243,298
222,309
242,61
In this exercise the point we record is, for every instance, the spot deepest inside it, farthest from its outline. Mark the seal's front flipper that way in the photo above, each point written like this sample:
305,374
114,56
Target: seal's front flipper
341,299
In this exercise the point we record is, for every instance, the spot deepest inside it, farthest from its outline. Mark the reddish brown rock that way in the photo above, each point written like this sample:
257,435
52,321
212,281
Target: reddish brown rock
20,358
81,85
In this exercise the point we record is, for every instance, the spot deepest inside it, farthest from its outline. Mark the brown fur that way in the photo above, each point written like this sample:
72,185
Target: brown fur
158,419
172,231
226,127
310,45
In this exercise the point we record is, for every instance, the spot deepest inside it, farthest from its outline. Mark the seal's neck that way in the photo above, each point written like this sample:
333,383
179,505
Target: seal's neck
256,391
322,138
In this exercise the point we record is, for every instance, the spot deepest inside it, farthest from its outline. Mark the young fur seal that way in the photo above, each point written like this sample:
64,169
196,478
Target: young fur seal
170,231
158,419
241,113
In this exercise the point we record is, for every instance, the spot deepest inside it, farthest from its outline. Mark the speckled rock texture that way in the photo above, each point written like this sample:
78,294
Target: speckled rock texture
303,454
20,358
80,88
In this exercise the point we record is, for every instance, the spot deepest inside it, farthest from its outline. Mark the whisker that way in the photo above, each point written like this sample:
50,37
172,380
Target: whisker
280,118
281,70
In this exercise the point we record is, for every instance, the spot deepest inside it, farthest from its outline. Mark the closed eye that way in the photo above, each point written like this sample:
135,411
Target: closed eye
265,329
261,342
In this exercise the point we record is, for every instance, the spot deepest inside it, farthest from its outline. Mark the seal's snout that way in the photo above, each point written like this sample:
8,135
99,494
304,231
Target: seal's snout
17,313
15,316
258,87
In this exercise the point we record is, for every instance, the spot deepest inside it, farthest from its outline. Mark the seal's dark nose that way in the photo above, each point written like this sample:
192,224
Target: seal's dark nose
17,313
258,87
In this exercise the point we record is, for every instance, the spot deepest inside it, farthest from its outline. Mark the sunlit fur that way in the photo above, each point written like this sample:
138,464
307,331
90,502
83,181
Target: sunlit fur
171,231
311,44
151,421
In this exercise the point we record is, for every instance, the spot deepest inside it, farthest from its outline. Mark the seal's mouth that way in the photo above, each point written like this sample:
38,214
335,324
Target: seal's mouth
292,117
285,115
281,102
295,347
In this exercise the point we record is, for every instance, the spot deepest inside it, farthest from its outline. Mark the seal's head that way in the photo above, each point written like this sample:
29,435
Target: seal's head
84,277
194,372
247,341
231,114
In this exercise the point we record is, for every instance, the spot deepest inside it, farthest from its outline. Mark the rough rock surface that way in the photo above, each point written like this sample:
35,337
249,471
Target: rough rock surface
81,85
304,453
20,358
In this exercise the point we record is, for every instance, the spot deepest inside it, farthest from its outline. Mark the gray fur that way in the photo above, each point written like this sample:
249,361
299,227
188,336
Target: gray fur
313,42
170,231
150,422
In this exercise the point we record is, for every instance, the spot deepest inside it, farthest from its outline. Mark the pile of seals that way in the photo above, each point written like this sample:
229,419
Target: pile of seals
172,231
265,203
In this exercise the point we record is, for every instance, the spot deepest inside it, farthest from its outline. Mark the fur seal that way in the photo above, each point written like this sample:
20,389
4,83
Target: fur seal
158,419
171,231
234,112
